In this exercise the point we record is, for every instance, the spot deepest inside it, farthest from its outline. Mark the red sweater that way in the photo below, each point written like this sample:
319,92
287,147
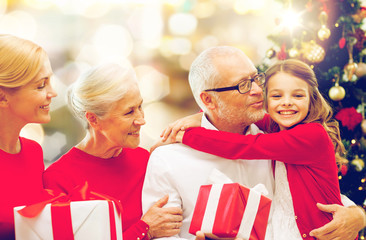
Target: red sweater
20,182
307,152
120,177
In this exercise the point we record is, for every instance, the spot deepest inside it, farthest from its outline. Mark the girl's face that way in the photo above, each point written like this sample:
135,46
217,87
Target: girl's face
31,102
288,99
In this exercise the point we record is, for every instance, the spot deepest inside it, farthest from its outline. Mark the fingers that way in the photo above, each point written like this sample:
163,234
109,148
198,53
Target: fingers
200,235
162,201
330,208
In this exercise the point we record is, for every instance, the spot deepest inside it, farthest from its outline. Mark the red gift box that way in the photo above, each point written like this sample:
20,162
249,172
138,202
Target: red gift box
229,211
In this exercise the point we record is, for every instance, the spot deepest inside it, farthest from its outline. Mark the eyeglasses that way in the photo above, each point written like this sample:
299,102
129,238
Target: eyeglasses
243,86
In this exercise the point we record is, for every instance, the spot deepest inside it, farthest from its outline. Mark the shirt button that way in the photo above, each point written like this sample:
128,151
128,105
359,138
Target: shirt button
143,234
296,217
304,235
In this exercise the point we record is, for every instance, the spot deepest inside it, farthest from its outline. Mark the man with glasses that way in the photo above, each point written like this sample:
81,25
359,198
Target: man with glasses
228,88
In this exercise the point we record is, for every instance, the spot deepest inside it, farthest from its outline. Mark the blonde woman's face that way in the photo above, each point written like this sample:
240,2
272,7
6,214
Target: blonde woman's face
31,102
288,99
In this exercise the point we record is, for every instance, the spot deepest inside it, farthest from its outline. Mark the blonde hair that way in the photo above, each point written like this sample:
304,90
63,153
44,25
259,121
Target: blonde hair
319,110
98,89
20,61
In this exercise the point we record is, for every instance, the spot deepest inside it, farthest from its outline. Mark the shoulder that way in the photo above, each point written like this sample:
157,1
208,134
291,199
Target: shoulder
29,144
140,153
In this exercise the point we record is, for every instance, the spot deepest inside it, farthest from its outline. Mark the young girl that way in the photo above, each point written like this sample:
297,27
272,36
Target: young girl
25,97
303,139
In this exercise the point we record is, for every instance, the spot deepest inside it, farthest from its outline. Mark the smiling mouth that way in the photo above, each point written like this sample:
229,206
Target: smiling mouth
134,133
288,112
45,107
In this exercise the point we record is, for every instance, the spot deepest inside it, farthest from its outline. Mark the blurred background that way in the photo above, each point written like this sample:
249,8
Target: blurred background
160,38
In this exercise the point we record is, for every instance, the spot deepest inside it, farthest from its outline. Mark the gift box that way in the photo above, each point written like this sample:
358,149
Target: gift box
227,211
65,218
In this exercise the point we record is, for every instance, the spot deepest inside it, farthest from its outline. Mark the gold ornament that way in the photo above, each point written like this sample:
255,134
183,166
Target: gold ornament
350,69
361,69
293,53
270,53
358,163
323,33
337,93
363,127
313,52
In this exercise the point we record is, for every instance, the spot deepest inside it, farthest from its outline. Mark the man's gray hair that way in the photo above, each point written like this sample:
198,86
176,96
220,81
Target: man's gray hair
203,73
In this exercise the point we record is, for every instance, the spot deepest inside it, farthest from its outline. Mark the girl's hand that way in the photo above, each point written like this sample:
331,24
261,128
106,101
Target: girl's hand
181,125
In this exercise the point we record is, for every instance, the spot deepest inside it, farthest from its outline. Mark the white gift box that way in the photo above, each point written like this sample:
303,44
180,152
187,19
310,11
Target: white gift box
90,220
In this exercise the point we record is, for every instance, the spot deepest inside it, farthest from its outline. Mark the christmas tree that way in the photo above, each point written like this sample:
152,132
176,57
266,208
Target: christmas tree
329,35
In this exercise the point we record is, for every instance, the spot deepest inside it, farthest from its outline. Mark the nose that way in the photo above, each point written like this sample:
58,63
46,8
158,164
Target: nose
51,93
255,89
140,120
286,101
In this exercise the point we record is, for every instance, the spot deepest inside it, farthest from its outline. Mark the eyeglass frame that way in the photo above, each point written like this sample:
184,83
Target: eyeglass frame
236,87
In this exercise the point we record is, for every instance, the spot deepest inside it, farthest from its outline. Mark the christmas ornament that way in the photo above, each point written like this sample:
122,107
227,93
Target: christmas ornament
270,53
337,93
363,127
281,55
342,43
358,164
361,69
344,169
293,53
359,15
313,52
359,34
323,32
350,68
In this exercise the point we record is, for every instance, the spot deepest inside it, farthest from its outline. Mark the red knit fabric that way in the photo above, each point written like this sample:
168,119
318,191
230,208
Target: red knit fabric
119,177
307,152
20,182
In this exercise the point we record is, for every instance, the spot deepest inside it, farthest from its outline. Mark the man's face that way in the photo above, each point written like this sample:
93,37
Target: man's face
238,110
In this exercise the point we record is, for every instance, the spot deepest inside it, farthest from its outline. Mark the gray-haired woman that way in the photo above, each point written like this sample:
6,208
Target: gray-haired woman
108,100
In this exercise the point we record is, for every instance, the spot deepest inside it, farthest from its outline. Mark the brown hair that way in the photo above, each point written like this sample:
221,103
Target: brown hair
319,109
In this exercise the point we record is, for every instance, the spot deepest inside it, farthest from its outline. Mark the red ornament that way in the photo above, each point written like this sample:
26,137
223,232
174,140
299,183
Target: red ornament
349,118
344,169
281,55
342,43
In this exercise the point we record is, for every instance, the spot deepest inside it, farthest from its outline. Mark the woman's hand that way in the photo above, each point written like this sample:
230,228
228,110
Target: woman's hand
178,138
181,125
163,222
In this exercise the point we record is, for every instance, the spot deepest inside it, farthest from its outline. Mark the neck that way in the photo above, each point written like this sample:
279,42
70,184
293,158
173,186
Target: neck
9,132
225,124
97,145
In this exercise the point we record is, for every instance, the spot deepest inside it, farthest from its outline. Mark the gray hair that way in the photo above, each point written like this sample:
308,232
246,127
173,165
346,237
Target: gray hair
203,73
99,88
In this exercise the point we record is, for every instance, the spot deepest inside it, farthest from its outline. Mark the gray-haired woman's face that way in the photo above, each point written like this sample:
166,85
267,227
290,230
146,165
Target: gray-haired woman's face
121,125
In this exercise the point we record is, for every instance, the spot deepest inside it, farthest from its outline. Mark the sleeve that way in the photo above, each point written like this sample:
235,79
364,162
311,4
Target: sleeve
296,146
158,182
264,123
137,231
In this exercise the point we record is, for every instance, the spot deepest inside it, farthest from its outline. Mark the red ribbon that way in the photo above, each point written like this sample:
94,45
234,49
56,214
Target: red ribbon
61,213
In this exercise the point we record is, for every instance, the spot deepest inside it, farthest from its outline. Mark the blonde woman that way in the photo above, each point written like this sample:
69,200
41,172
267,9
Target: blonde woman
25,97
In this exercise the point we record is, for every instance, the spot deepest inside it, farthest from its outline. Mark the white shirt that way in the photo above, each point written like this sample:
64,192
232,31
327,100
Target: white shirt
179,171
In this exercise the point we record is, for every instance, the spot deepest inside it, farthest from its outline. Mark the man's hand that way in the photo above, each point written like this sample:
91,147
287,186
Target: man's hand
201,236
163,222
346,223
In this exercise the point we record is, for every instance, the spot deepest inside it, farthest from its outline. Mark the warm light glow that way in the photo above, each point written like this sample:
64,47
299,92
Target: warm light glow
291,20
244,6
182,24
19,23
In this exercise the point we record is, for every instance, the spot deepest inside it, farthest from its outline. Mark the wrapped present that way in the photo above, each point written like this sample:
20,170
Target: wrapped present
231,210
63,218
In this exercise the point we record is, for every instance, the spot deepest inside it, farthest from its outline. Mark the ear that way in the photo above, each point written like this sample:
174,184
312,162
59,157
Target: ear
208,100
92,119
4,102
